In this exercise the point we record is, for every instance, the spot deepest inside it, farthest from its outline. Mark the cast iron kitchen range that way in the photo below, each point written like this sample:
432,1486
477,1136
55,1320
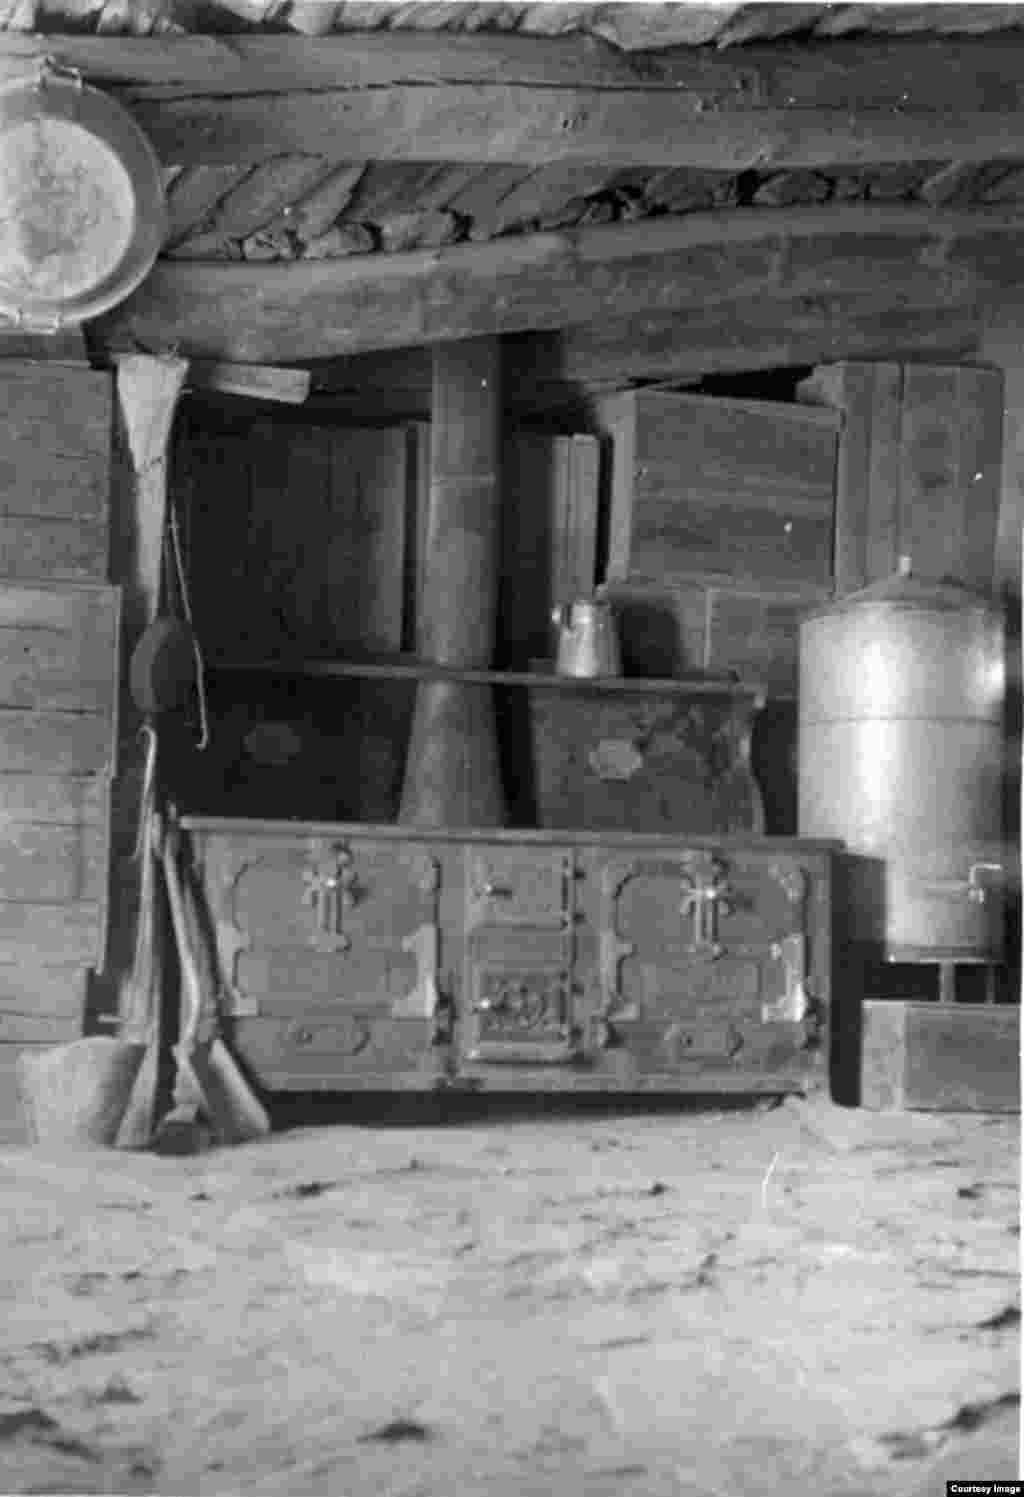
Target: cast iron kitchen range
360,956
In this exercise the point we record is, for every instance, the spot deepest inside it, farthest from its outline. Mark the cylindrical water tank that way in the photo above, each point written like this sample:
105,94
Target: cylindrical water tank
901,755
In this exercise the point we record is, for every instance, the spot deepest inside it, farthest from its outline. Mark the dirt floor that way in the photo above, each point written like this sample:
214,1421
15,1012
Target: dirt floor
650,1302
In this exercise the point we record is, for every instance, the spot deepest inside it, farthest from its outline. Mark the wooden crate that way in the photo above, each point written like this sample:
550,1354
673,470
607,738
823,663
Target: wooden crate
940,1057
54,471
919,469
58,735
741,489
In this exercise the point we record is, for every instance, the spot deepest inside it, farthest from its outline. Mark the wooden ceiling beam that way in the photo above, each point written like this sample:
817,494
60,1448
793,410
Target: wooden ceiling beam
540,126
294,312
475,98
901,73
544,372
746,335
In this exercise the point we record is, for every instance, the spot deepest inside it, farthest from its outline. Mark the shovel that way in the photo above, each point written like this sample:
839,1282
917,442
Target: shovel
142,1008
234,1112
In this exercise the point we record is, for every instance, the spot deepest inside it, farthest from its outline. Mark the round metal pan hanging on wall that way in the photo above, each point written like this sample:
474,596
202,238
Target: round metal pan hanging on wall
82,211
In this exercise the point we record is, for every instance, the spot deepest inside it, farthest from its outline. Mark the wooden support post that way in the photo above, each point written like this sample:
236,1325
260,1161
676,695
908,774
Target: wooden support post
452,776
148,389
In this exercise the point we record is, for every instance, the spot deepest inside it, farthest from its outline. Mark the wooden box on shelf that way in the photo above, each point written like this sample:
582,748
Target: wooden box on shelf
739,488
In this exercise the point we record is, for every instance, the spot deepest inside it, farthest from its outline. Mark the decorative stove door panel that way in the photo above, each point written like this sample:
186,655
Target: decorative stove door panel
338,941
518,983
703,960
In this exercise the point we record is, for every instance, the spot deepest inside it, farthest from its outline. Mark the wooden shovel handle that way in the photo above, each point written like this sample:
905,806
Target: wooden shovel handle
192,991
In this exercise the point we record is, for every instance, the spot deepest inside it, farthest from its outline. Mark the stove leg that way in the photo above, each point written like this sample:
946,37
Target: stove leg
947,982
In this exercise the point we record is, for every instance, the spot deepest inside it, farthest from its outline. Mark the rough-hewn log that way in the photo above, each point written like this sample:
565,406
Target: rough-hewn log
452,775
281,313
906,74
476,98
513,122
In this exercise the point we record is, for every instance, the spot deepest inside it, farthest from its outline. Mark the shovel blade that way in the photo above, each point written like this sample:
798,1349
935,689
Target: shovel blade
235,1112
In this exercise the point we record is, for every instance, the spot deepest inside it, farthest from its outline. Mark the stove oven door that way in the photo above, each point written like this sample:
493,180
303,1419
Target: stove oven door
330,949
705,974
517,1007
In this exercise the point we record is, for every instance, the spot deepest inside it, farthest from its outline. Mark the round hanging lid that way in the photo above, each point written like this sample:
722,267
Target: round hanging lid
82,212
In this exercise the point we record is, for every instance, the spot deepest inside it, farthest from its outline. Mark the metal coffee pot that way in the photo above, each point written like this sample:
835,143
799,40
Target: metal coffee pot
587,642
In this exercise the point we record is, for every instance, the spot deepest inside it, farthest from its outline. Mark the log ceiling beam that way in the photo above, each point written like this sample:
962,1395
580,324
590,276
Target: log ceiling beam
473,98
297,312
759,334
555,372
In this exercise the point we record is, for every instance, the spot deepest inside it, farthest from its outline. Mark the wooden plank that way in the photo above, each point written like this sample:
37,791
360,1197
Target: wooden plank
940,1057
60,743
32,988
980,402
930,505
31,548
868,466
257,381
50,933
366,547
59,647
53,864
402,670
55,452
51,800
38,1029
289,312
951,464
66,346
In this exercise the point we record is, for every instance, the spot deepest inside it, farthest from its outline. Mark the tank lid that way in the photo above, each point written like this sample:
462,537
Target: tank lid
904,590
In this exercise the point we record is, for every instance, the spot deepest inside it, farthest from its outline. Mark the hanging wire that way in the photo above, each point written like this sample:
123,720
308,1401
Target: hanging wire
179,568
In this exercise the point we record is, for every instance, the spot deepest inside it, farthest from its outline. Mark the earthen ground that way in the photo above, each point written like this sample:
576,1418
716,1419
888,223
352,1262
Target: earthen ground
671,1302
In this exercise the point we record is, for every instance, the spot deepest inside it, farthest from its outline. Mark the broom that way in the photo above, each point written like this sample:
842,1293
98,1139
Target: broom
234,1112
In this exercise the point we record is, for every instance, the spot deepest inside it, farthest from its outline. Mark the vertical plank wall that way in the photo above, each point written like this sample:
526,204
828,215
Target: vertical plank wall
58,648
